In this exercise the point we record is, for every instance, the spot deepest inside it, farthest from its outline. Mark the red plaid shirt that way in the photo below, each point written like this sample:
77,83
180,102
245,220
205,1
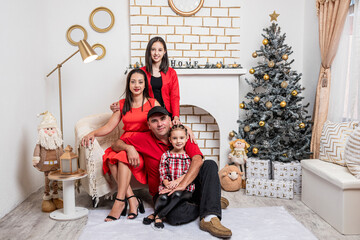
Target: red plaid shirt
172,166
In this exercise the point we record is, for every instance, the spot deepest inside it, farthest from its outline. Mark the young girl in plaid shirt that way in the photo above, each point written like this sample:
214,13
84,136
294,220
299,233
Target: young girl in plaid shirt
174,165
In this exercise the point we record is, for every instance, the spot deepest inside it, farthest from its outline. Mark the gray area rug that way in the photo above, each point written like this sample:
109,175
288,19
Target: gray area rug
245,223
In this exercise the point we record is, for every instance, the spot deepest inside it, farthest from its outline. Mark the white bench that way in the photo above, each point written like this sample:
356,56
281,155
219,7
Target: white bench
333,193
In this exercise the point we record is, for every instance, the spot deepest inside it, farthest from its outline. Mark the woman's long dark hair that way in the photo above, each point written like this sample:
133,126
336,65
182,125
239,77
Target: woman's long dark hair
128,94
164,66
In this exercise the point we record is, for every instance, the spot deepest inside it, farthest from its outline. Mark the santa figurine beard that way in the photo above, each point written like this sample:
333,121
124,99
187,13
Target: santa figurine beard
50,138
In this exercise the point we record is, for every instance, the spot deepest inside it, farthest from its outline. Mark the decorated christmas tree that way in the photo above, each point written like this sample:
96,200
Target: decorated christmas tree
277,125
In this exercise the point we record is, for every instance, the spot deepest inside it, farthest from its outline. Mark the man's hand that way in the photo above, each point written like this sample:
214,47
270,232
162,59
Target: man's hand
115,107
180,187
133,156
173,184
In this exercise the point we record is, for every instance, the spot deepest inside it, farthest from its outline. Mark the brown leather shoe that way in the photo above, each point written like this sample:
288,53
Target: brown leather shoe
215,228
224,203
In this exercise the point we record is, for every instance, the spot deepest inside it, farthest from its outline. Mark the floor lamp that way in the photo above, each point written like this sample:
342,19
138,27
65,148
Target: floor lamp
88,55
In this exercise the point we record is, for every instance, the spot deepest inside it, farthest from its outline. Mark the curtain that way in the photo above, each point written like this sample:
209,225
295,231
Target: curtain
331,15
344,94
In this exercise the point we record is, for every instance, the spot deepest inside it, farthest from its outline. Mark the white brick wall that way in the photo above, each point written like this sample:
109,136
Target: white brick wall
199,120
211,35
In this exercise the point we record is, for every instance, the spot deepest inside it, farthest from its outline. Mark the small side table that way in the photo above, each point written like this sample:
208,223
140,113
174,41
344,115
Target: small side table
69,212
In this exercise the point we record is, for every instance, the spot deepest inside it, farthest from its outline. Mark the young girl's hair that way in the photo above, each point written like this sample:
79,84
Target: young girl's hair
128,93
177,127
164,66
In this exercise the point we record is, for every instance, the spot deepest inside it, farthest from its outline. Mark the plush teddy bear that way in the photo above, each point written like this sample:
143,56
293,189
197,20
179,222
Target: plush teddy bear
238,153
230,178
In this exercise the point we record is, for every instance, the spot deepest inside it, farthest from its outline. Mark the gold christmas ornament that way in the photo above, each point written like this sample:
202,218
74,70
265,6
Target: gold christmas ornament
254,54
255,150
266,77
285,57
256,99
302,125
265,41
242,105
294,93
268,105
285,155
261,123
283,104
247,128
252,71
231,134
271,64
218,65
284,84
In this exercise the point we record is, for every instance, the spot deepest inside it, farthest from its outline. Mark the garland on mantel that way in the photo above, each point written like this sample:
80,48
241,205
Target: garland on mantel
189,65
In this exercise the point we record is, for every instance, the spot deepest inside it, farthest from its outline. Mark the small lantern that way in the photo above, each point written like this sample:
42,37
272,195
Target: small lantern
68,162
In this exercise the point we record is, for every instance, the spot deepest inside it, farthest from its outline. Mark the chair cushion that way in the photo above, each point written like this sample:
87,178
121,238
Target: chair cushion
333,140
335,174
352,153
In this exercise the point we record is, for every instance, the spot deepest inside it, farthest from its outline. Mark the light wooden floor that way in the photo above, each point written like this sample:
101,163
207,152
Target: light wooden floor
28,222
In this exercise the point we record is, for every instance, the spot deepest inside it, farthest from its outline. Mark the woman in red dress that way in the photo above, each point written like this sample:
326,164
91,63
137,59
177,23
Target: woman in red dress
133,112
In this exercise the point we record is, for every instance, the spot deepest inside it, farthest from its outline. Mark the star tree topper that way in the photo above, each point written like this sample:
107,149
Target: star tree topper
274,16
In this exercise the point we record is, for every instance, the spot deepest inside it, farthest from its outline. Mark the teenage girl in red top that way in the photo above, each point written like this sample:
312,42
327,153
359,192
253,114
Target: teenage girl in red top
133,112
162,79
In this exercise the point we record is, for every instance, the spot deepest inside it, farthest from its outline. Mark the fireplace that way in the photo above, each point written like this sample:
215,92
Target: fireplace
211,93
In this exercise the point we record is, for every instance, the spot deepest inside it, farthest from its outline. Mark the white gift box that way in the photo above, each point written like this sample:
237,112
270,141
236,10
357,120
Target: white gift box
270,188
288,171
256,168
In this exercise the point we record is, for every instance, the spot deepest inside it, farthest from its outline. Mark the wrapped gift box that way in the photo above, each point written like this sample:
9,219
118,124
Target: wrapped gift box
288,171
270,188
256,168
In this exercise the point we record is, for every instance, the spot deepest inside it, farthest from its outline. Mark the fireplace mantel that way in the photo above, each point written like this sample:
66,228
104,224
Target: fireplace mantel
217,92
210,71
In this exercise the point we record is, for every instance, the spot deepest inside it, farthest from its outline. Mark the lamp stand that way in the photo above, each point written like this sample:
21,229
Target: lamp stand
58,67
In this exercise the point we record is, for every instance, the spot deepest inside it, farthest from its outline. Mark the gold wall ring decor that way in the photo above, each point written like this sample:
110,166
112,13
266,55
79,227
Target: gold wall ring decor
73,27
98,45
183,8
93,25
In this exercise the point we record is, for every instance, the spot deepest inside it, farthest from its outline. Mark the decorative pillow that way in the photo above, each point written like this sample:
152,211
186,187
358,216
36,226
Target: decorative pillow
352,153
333,139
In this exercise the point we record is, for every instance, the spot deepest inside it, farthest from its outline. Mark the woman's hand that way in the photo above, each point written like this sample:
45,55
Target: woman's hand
165,190
133,156
88,139
191,135
115,107
176,121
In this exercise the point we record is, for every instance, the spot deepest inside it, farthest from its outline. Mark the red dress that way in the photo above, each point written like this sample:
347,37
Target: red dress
134,121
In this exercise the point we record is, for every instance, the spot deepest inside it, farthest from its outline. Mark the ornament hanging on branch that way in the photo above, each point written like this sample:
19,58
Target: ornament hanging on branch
271,64
242,105
268,105
254,54
252,71
294,93
283,104
266,77
265,42
256,99
284,84
285,57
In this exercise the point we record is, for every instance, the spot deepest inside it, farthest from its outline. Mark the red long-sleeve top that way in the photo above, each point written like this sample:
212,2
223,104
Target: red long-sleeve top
170,90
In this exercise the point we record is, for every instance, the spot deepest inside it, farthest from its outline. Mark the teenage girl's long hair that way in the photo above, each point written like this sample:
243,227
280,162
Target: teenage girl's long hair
164,66
128,95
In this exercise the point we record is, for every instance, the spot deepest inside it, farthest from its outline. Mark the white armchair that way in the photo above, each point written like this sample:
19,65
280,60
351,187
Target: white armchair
90,159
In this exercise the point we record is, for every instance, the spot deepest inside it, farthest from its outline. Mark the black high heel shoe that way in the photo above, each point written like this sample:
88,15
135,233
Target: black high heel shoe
123,213
140,208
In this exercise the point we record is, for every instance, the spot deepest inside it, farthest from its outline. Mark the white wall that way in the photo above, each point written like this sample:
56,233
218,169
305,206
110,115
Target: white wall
33,43
21,98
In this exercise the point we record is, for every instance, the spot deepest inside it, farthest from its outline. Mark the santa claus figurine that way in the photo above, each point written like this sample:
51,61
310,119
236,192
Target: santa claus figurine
47,158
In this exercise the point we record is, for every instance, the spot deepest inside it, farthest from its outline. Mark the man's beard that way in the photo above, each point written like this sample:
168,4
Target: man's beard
49,142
